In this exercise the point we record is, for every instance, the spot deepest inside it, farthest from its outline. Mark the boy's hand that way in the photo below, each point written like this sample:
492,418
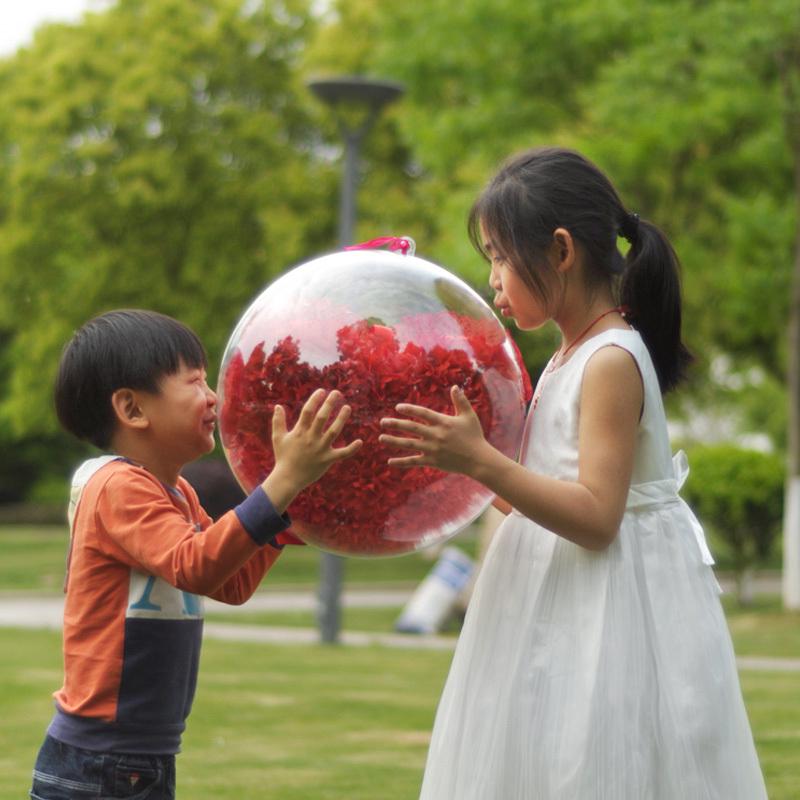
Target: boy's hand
304,453
450,442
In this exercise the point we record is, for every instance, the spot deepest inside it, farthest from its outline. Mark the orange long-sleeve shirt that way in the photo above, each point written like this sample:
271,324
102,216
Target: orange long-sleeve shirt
142,554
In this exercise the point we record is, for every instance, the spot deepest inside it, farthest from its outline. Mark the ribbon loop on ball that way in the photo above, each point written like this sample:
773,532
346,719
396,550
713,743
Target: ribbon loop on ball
405,244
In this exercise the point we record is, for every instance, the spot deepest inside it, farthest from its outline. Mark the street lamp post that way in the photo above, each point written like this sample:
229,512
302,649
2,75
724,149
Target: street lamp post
356,102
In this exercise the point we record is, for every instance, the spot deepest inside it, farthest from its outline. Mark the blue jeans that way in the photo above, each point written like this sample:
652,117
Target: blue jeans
64,772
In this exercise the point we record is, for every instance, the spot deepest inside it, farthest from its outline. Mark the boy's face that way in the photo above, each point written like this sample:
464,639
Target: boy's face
183,414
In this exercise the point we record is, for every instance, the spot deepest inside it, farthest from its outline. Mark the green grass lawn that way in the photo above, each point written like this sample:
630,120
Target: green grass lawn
314,723
32,559
370,620
373,620
763,629
269,722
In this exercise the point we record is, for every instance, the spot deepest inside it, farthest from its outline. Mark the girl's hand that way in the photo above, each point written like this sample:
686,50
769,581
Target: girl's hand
448,442
306,452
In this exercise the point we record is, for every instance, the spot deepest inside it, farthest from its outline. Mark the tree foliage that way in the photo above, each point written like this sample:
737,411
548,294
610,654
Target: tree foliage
167,154
153,156
678,100
738,495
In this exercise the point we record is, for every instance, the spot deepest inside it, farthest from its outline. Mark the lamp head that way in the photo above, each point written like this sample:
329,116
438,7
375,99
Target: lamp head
356,90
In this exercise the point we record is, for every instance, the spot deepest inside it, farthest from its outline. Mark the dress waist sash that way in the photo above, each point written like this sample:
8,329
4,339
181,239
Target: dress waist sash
657,494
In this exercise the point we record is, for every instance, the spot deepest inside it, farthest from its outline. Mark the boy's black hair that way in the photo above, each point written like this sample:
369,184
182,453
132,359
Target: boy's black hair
125,349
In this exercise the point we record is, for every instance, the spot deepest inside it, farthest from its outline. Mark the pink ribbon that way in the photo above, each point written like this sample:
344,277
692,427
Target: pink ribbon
394,243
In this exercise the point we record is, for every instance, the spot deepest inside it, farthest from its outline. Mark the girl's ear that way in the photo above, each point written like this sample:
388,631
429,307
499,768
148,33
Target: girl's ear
128,409
563,249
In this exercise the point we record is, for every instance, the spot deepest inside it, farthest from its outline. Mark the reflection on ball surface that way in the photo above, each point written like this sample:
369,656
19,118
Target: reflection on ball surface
382,328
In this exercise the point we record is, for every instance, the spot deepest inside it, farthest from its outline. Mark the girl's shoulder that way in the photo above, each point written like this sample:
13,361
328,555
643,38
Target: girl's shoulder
627,339
609,345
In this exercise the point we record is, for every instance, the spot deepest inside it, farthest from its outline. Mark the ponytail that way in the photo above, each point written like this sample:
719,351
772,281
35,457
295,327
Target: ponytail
540,190
651,291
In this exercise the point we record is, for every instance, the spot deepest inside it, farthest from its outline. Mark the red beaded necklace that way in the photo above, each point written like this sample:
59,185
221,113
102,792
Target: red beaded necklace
579,337
558,358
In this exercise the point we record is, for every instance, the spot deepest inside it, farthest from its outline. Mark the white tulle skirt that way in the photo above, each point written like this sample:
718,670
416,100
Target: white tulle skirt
595,675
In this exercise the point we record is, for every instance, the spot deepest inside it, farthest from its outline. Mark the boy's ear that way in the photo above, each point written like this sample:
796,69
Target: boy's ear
563,249
128,410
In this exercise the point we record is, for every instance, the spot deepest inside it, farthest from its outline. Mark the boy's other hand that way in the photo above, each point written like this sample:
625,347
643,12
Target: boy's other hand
304,453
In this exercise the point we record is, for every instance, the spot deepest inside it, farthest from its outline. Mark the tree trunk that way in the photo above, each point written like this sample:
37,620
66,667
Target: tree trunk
745,590
791,518
789,68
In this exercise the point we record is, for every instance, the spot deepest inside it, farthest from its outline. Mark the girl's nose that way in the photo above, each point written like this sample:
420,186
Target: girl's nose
494,280
211,396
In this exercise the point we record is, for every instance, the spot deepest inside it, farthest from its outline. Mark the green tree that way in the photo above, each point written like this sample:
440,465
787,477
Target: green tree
693,107
166,153
154,155
483,80
788,58
679,100
721,85
738,495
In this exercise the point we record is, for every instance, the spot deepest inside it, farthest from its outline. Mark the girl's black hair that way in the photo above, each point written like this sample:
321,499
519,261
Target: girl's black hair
542,189
129,349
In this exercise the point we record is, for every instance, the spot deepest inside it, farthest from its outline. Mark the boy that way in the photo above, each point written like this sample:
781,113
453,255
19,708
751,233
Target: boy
142,549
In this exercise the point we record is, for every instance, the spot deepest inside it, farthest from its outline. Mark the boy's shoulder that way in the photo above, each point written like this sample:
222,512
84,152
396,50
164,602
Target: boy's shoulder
124,477
110,484
101,470
98,475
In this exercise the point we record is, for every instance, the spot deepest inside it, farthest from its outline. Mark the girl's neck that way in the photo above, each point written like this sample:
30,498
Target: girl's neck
584,320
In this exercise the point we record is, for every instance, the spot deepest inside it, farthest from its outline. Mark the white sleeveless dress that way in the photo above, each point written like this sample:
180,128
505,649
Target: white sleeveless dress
586,675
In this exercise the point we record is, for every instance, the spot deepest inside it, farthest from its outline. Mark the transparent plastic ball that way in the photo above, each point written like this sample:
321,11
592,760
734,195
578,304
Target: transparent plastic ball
382,328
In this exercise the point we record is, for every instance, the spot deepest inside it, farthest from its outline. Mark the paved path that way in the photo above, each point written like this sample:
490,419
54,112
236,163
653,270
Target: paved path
45,611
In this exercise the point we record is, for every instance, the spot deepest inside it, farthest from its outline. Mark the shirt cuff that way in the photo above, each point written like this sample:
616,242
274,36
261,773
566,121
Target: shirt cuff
260,519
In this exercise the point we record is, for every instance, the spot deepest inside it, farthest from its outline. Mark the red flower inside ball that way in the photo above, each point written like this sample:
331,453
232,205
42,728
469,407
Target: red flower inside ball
382,328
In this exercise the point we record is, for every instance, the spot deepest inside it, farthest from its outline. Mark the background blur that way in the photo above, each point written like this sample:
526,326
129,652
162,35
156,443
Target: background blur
168,154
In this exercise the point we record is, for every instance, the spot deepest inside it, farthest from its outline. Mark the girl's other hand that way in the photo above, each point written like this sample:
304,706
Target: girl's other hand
449,442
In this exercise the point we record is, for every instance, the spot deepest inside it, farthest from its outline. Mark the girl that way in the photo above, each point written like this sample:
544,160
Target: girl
595,662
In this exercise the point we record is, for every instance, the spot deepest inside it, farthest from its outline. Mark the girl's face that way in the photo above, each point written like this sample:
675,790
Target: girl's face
513,297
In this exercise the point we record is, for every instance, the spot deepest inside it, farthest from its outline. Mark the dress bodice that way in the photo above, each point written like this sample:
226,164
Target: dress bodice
550,444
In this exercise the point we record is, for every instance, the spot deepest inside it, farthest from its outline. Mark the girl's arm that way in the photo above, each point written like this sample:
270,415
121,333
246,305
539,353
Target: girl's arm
587,511
502,506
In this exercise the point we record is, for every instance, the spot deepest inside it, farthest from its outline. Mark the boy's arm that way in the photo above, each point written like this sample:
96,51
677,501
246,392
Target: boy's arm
240,586
146,530
149,532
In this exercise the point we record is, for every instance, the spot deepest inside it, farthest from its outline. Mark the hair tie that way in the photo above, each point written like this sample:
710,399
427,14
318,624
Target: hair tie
629,227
